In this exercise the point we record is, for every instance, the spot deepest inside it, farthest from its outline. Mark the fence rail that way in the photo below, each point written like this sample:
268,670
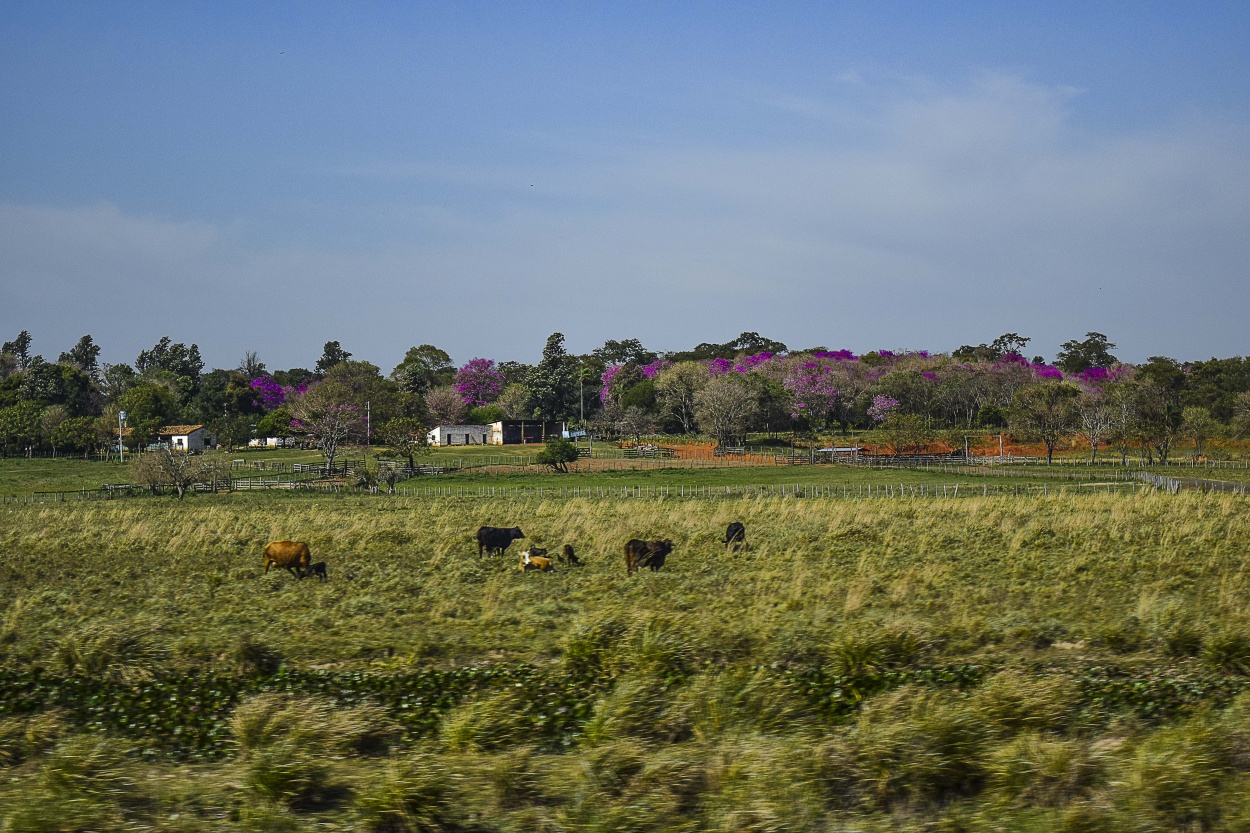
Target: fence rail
845,491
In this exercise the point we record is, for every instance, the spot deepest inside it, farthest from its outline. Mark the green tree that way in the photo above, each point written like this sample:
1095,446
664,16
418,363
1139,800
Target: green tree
514,402
362,384
232,430
1160,414
641,395
223,393
19,426
557,453
276,423
1199,426
1076,356
19,349
424,368
149,404
908,433
629,351
116,379
84,355
52,416
1046,411
178,359
553,382
78,433
332,353
407,437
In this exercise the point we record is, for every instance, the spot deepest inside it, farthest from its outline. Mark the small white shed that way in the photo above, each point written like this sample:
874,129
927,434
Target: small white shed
186,437
443,435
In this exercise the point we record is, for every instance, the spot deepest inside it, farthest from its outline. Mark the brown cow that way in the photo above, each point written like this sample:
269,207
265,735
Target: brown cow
651,554
531,561
287,555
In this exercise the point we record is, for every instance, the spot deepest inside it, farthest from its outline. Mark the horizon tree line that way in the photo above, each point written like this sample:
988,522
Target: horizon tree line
751,384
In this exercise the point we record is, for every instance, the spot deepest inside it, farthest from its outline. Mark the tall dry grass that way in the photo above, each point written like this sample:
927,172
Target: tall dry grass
693,721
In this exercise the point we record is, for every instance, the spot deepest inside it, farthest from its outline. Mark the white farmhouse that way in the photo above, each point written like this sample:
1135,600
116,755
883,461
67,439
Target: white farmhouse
186,437
442,435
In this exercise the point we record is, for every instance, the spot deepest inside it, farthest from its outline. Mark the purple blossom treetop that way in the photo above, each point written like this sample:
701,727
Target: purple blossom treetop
719,367
1046,371
479,383
609,374
271,395
1012,358
930,375
655,368
836,355
749,363
812,389
1094,375
886,354
881,408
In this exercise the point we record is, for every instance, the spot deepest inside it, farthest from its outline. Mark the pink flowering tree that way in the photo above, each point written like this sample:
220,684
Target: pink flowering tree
813,391
655,368
881,408
479,383
325,411
608,378
270,395
719,367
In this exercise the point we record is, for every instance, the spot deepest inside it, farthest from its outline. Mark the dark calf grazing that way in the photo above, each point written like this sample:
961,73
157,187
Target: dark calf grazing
567,556
318,570
493,540
650,554
287,555
736,537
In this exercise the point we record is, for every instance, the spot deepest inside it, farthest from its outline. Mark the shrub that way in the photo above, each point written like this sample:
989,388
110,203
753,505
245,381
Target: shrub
1012,702
492,721
1175,775
912,745
1228,651
288,743
410,795
1036,770
557,453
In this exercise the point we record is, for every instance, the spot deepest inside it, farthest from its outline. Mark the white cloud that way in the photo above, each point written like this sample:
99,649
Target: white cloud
924,217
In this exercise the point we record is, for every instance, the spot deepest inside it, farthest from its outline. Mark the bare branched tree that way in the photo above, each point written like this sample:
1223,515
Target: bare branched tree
1095,420
446,406
724,408
178,470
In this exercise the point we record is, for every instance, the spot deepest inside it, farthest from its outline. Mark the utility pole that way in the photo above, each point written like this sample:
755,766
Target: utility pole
121,436
368,429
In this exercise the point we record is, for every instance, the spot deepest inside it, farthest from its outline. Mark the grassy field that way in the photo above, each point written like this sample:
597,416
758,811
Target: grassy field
1046,663
22,477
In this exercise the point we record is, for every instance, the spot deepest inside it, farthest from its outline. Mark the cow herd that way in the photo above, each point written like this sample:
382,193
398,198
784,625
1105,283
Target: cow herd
295,557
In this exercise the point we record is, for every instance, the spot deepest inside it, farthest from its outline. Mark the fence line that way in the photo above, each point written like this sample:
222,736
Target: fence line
846,491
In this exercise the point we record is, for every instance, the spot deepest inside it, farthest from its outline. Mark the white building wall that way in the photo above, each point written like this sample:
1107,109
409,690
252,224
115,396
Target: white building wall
444,435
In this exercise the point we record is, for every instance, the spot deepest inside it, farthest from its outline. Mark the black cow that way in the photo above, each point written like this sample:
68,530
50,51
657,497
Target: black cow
639,554
318,570
493,540
735,537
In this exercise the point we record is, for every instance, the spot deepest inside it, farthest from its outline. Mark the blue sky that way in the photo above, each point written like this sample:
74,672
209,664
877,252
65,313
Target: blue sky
271,176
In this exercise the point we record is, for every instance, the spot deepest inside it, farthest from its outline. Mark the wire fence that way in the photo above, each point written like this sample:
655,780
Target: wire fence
845,491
